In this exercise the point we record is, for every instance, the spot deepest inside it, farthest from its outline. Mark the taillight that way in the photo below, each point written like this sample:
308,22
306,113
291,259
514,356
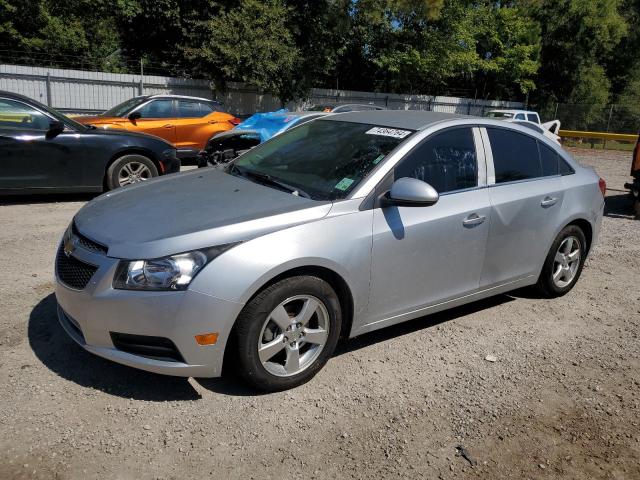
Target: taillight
603,186
235,121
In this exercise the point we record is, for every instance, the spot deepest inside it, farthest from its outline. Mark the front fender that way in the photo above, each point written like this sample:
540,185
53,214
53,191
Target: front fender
340,243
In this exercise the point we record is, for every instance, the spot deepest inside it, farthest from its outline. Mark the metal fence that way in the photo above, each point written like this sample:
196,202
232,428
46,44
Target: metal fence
86,92
594,118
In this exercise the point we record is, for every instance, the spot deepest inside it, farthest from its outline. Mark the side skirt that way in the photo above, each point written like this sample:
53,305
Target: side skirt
456,302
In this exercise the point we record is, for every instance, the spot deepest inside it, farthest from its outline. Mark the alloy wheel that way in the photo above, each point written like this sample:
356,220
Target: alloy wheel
566,262
133,172
293,335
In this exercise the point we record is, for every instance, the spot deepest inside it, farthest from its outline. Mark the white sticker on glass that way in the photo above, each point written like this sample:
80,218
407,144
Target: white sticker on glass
388,132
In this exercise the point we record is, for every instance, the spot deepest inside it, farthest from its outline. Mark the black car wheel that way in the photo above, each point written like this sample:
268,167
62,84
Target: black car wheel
564,263
129,169
287,332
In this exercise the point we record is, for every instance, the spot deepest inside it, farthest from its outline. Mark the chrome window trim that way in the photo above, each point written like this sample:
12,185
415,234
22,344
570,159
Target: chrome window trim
461,190
526,180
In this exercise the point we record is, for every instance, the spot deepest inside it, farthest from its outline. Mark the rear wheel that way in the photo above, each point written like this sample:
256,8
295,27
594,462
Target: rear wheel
130,169
286,334
564,263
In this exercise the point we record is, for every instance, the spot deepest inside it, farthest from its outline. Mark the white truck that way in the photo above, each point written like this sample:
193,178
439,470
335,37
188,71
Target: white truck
530,119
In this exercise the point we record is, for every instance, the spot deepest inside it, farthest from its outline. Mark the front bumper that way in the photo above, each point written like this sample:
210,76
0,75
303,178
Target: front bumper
91,315
171,164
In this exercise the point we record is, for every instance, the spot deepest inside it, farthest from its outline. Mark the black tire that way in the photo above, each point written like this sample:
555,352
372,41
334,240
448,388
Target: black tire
117,169
546,285
249,326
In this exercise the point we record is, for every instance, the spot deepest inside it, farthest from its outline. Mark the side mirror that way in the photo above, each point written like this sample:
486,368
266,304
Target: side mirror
55,128
410,192
133,116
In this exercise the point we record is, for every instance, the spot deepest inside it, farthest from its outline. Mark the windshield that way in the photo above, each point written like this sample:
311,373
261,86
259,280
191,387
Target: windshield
322,160
500,115
124,108
320,108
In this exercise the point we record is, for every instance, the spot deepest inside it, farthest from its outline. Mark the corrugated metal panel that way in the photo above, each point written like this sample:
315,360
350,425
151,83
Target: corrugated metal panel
84,91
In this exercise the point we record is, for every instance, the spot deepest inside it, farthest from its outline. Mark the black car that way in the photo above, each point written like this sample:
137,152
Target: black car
42,150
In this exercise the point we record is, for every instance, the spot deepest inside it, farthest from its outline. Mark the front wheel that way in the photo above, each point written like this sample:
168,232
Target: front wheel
564,263
129,169
286,334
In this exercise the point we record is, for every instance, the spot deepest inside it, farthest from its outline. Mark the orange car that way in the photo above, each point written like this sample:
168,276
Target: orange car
186,122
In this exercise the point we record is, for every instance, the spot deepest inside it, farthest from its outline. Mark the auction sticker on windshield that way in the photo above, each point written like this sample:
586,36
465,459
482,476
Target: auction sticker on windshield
388,132
344,184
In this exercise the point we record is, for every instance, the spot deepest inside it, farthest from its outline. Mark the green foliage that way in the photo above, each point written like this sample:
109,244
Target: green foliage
591,91
575,34
554,50
58,32
249,43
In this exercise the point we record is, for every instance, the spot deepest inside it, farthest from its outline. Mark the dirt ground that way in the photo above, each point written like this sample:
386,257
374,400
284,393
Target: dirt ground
561,401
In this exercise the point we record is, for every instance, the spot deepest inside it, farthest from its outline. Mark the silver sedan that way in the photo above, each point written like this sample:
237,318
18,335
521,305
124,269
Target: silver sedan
338,227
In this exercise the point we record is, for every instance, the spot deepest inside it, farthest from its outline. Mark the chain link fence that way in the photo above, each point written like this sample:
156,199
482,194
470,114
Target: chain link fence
594,118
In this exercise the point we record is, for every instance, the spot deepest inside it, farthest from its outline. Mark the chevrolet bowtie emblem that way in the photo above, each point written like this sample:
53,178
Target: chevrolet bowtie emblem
69,246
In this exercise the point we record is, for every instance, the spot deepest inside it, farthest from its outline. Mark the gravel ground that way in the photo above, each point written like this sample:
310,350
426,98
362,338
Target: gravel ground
561,399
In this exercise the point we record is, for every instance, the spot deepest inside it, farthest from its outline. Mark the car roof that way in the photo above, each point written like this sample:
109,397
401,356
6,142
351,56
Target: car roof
17,96
307,113
409,119
182,97
501,110
368,105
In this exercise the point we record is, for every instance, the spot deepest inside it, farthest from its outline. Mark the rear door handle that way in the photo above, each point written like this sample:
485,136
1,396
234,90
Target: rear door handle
168,125
548,201
473,220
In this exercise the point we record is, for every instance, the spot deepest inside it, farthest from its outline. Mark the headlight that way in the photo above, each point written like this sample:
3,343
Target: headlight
167,273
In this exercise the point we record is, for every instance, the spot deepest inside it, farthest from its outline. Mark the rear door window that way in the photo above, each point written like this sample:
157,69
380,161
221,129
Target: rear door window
446,161
515,155
549,160
193,109
532,117
564,168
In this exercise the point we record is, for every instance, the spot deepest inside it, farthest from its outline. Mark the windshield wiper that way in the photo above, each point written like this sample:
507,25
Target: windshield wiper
266,179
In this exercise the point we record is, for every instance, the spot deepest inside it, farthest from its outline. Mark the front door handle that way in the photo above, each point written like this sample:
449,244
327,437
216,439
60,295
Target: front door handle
548,201
473,220
168,125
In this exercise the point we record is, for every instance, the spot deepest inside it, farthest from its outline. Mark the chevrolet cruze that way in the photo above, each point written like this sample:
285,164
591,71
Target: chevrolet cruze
338,227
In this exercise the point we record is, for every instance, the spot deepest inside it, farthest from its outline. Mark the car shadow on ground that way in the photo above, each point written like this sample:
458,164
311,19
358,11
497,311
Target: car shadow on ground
46,198
618,206
232,386
63,356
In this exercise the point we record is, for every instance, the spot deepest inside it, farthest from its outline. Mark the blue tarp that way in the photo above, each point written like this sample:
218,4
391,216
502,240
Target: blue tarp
268,124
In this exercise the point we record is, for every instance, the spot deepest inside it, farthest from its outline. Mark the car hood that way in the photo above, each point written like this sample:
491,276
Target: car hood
191,210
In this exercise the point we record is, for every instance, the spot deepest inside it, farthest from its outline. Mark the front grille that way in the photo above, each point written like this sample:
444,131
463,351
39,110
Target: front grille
72,272
87,243
158,348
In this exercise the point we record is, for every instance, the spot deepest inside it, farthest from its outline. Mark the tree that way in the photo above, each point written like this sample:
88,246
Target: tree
577,37
590,94
248,43
430,47
75,32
